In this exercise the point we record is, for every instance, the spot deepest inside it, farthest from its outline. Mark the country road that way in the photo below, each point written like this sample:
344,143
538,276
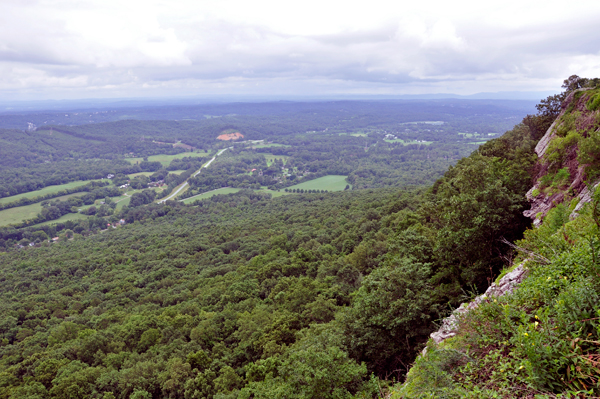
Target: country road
184,184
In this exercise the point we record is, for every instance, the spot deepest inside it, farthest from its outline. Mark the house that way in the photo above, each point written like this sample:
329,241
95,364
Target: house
110,176
122,221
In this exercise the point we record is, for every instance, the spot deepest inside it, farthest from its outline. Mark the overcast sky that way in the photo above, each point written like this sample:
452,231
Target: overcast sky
128,48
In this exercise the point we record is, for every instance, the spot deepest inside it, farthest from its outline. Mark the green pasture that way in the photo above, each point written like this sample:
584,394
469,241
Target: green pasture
65,218
22,213
45,191
19,214
224,190
269,157
165,159
274,193
329,182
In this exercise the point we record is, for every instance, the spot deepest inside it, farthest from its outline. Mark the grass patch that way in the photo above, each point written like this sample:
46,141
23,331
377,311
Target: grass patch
19,214
45,191
64,218
329,182
225,190
271,157
165,159
273,193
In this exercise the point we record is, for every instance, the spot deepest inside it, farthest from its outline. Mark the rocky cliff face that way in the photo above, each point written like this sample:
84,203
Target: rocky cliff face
504,286
558,154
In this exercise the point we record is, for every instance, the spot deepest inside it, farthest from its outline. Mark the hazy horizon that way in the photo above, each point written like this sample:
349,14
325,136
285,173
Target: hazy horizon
69,50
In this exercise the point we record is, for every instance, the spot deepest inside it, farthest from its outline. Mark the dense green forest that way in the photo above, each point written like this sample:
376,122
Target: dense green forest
314,295
541,339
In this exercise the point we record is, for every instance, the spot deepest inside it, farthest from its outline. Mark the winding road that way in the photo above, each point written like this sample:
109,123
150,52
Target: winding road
184,184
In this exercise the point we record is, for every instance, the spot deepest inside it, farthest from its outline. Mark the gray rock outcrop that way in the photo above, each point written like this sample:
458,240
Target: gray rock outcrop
505,286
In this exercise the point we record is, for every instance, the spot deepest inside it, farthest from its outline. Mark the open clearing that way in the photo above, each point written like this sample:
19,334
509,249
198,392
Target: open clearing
22,213
271,157
65,218
224,190
19,214
329,182
230,136
165,159
273,193
45,191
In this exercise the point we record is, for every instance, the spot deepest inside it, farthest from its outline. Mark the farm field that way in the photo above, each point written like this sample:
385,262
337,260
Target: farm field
44,191
165,160
273,193
329,182
19,214
271,157
65,218
224,190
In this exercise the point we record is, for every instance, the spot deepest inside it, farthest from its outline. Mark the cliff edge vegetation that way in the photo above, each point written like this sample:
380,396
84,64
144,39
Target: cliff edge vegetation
542,340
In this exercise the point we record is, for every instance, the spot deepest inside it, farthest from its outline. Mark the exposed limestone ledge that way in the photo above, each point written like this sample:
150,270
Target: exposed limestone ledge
584,196
505,285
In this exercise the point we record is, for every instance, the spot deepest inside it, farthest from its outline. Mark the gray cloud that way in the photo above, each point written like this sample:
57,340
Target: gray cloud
91,50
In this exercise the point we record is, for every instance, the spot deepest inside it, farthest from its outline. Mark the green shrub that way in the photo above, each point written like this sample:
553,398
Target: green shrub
567,123
594,102
589,155
557,148
561,178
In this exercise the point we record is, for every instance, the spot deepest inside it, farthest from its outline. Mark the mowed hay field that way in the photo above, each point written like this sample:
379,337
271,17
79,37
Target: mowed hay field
65,218
45,191
165,160
271,157
224,190
329,183
19,214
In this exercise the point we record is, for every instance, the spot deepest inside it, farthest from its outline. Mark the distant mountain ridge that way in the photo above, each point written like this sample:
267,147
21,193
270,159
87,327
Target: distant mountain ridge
104,103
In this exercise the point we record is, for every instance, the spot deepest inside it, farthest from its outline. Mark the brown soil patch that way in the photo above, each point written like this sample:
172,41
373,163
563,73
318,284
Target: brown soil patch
231,136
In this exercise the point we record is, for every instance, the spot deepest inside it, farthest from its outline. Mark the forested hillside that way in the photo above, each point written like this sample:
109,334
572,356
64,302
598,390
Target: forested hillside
319,295
315,295
542,339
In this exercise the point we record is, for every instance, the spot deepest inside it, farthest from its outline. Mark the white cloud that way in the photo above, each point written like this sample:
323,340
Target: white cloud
116,47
